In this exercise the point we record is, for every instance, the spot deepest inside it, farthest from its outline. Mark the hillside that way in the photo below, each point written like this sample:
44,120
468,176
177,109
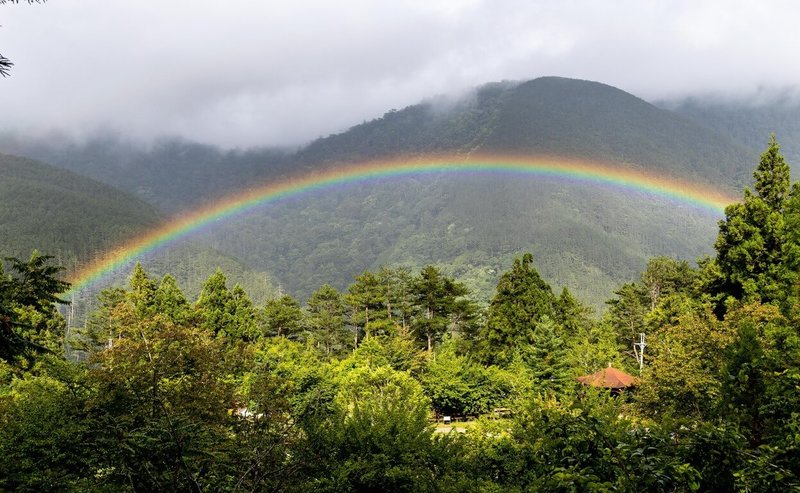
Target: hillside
547,116
63,214
748,122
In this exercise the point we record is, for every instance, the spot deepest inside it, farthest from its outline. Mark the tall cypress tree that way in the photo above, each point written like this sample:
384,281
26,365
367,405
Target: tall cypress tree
753,240
522,300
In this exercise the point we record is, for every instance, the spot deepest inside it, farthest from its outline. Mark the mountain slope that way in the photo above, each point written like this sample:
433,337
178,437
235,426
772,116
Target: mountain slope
61,213
748,122
547,116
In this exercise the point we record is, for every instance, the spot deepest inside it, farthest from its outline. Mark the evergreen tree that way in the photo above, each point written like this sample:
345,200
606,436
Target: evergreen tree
572,314
548,357
326,319
367,300
627,312
28,319
214,305
245,326
169,300
435,298
141,291
283,317
522,300
753,241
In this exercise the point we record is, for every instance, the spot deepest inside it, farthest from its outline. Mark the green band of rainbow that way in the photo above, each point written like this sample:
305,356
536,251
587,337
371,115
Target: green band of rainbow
604,174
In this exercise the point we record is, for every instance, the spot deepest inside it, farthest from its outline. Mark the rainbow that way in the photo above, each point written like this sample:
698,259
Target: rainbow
627,179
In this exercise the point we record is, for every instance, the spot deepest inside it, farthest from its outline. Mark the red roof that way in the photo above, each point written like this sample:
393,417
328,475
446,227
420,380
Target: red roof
610,378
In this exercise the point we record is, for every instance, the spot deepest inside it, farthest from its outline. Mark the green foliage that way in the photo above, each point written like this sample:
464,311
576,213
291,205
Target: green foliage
57,211
522,301
326,320
379,439
755,252
436,300
283,318
684,365
192,398
29,323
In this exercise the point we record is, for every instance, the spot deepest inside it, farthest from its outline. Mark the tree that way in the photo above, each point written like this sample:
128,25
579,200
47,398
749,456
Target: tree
627,312
367,299
435,298
142,291
379,438
522,300
684,363
665,276
753,241
27,306
5,63
169,300
326,319
283,317
548,357
245,324
214,305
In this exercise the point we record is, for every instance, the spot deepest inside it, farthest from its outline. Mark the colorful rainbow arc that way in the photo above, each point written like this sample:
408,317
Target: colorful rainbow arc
590,172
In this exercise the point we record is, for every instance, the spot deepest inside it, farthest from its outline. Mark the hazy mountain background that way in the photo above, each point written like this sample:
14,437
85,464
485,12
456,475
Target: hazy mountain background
590,239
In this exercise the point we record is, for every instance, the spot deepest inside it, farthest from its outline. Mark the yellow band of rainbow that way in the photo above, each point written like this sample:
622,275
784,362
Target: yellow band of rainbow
699,196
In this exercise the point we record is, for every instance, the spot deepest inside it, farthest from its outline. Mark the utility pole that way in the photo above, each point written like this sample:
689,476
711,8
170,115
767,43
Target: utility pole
638,350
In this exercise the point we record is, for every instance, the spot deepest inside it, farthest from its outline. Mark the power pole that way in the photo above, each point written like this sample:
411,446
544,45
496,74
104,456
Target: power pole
638,350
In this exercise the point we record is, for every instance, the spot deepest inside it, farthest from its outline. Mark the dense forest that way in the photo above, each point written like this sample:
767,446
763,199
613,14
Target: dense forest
348,391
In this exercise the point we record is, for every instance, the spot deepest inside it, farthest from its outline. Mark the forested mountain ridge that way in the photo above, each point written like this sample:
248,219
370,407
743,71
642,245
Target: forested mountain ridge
64,214
544,116
581,236
355,389
747,121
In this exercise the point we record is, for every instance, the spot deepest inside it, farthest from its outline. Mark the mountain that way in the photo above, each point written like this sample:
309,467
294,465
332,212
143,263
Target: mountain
547,116
63,214
748,122
171,174
588,238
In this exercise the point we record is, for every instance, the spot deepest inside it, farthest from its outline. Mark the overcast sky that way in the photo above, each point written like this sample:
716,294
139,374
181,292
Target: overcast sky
244,73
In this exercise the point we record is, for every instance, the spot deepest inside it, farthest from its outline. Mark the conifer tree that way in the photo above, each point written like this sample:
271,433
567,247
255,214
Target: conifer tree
435,297
753,240
244,326
169,300
523,299
214,303
283,317
326,319
367,299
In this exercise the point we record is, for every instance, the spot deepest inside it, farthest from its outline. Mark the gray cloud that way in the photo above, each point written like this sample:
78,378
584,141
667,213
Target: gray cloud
248,72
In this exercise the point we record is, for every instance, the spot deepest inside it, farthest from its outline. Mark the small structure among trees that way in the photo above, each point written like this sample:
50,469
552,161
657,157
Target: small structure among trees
610,378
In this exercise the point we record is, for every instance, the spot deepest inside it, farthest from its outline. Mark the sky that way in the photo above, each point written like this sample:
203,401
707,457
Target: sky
242,73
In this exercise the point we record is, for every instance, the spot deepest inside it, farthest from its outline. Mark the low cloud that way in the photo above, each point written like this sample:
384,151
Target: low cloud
245,72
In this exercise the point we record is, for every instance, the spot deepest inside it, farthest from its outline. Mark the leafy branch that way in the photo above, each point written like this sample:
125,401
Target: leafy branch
5,63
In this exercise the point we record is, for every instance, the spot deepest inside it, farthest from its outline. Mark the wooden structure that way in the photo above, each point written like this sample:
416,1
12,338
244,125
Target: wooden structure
610,378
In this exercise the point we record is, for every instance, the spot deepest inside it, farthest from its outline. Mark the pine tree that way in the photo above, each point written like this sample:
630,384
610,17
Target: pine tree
326,319
283,317
435,297
523,299
753,241
213,304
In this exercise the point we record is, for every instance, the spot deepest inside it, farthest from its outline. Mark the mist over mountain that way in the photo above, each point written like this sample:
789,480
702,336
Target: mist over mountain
748,122
588,238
